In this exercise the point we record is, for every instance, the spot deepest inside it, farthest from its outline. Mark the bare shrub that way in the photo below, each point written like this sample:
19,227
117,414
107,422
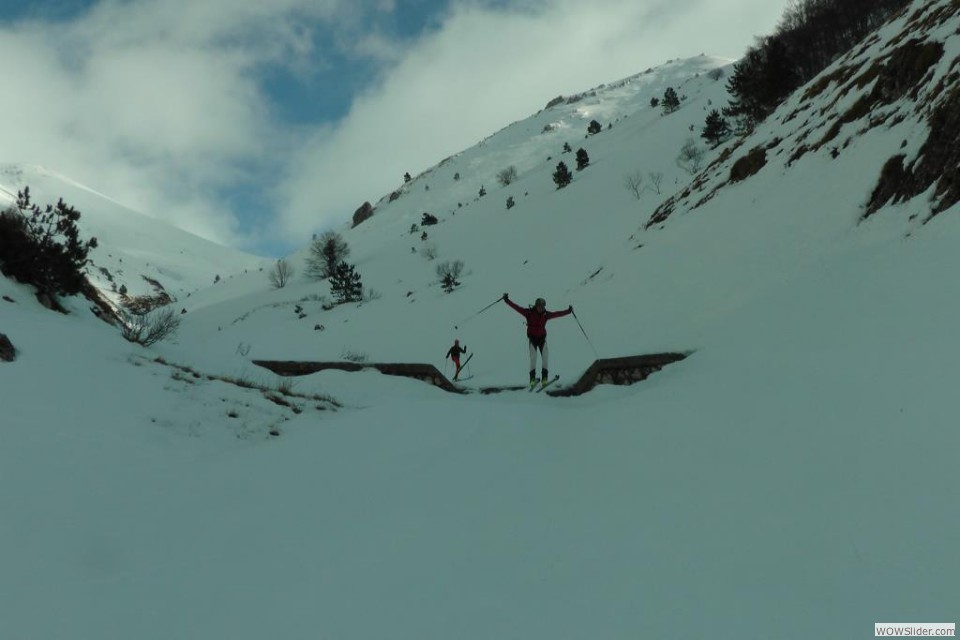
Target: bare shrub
656,179
506,176
285,385
280,274
429,251
353,356
449,272
150,328
633,182
691,157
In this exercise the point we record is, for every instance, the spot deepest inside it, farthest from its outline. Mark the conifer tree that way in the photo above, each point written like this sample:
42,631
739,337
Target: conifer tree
345,285
670,100
716,128
562,176
583,160
42,247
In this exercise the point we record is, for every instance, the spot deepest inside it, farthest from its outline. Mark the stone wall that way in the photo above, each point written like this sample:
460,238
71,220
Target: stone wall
425,372
619,371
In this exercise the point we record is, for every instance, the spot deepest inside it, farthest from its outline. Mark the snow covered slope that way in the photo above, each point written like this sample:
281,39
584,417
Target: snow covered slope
795,476
135,251
550,244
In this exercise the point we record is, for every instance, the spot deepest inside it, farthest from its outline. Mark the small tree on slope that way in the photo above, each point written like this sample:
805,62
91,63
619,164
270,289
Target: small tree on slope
345,284
670,100
449,274
42,247
562,176
716,128
583,160
325,252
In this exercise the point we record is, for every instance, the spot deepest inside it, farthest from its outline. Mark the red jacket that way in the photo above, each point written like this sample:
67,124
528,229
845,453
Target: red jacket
536,322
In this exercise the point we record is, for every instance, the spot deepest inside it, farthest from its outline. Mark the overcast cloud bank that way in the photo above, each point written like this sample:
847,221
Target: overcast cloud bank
164,105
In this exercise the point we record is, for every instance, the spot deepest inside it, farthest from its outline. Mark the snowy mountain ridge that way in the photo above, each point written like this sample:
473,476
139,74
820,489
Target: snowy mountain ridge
140,254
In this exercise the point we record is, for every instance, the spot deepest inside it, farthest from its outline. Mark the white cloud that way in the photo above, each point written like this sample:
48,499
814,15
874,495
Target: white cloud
485,67
156,103
161,104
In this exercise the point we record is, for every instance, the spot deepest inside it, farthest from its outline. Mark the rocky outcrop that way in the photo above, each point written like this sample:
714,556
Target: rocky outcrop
363,213
7,351
936,164
618,371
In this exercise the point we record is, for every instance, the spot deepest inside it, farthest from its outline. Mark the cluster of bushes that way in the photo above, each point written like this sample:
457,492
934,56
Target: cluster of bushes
42,246
811,35
327,260
633,182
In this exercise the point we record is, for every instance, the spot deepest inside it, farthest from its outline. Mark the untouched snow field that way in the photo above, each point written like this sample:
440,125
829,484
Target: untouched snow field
795,477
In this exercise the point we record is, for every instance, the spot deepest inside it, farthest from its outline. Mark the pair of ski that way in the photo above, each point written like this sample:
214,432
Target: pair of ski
539,386
458,378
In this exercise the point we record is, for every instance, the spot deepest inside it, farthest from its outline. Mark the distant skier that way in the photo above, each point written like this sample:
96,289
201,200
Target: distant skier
537,317
454,354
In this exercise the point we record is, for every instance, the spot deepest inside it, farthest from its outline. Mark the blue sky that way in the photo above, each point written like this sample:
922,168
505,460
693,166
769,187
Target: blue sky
258,124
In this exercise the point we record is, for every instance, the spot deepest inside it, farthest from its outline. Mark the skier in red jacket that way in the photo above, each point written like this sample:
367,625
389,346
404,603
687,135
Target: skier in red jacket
537,317
454,354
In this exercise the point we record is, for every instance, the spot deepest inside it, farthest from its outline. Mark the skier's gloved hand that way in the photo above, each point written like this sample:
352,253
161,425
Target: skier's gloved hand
506,296
570,308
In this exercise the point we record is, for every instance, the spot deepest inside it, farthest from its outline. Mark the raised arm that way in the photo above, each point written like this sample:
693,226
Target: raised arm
515,306
559,314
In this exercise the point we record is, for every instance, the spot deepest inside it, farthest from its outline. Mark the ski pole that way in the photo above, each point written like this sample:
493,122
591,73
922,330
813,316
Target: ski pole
457,326
585,335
